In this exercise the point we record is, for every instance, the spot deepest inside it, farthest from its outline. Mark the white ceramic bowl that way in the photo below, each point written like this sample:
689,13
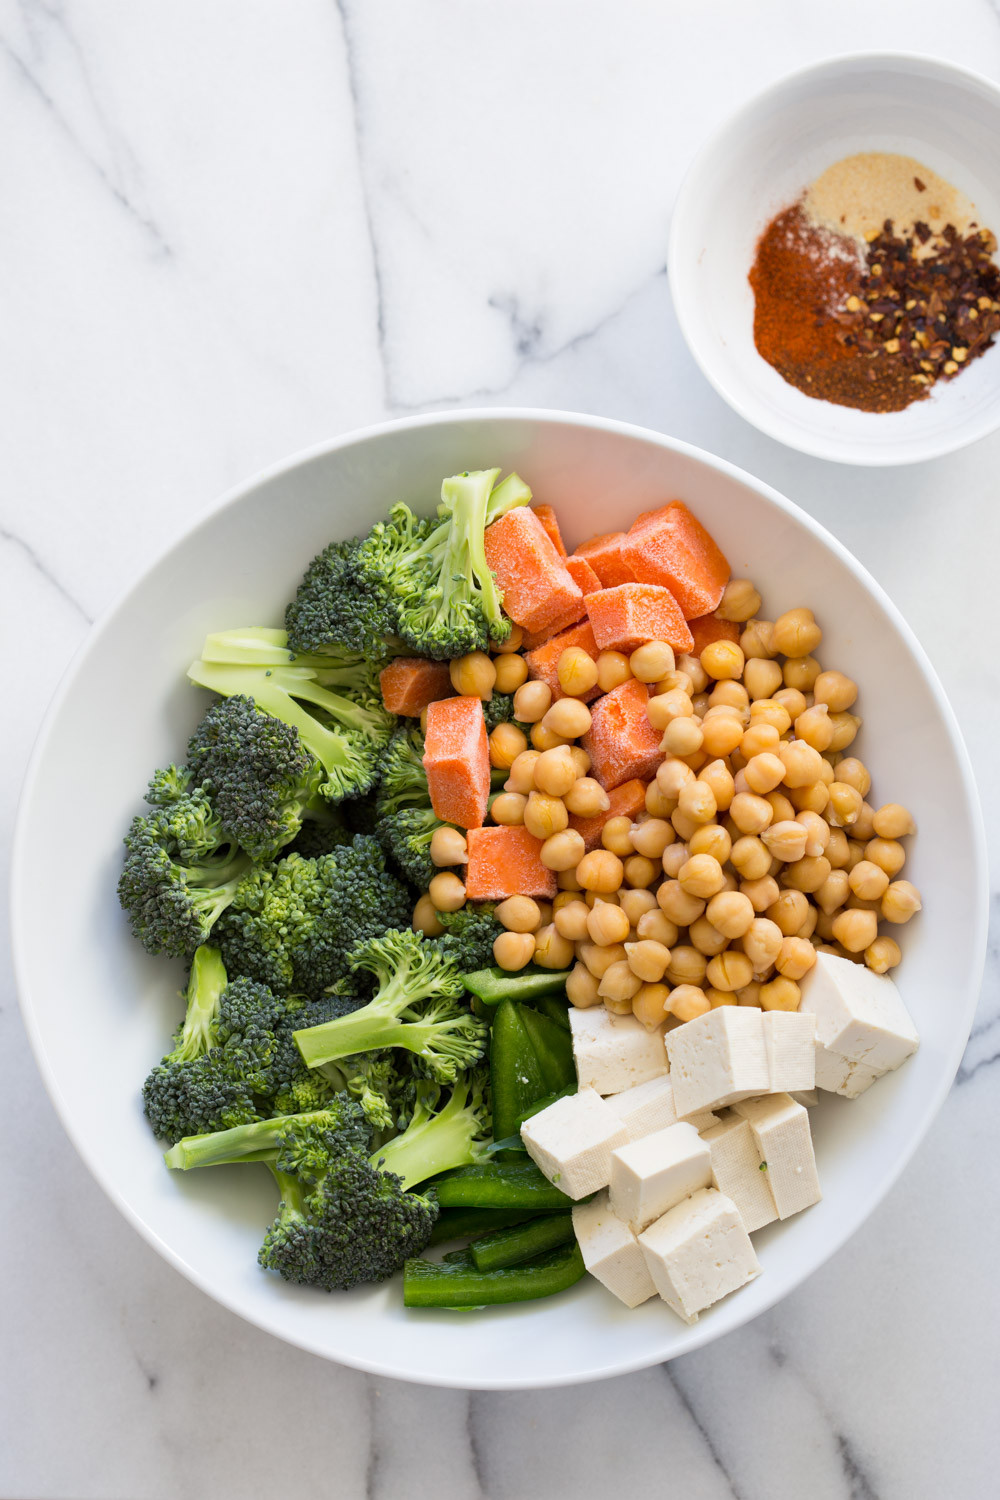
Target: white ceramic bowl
759,163
99,1011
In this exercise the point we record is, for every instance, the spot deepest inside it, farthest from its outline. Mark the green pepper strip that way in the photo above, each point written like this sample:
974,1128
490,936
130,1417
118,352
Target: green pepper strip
511,1246
457,1283
516,1077
500,1184
494,985
553,1048
463,1223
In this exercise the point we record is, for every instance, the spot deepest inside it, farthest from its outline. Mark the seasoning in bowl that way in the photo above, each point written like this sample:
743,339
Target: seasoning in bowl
876,284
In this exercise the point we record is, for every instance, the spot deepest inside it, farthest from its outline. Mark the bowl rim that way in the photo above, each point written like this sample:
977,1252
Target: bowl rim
699,1334
682,289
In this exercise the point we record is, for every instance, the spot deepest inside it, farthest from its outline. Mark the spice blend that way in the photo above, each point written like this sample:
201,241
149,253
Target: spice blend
860,302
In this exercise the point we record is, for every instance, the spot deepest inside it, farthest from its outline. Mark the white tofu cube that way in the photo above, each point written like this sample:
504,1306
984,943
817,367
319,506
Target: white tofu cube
613,1053
783,1138
859,1015
839,1076
650,1175
699,1252
572,1140
790,1039
717,1058
611,1252
650,1106
737,1172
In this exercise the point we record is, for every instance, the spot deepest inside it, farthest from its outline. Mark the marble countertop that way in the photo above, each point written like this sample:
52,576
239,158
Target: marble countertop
231,231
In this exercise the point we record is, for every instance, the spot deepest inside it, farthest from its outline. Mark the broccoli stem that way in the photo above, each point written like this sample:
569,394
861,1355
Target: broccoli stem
371,1029
206,983
242,1142
508,494
434,1143
465,497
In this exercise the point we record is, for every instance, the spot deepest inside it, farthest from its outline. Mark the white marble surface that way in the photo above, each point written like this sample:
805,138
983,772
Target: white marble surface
226,232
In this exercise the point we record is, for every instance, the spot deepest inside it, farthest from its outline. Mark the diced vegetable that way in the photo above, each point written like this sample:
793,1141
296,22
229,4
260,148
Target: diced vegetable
627,801
632,613
457,1283
457,761
409,683
543,661
670,547
709,628
506,861
550,522
581,572
621,742
604,555
536,587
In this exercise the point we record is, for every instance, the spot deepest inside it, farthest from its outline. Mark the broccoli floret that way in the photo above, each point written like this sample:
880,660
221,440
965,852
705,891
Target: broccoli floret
469,936
315,838
292,925
404,780
440,1139
419,1005
192,1090
499,709
261,1140
332,702
254,1030
335,607
180,872
441,595
406,835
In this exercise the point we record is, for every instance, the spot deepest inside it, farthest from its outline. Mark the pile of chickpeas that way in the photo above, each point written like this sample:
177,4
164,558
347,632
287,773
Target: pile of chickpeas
757,848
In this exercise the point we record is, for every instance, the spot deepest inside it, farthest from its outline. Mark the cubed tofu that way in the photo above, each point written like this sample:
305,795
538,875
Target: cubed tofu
783,1138
572,1140
611,1252
736,1171
837,1075
653,1174
650,1106
717,1059
699,1252
613,1053
860,1016
790,1040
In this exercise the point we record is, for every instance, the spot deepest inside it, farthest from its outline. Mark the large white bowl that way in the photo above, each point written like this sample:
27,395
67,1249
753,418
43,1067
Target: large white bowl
99,1011
760,162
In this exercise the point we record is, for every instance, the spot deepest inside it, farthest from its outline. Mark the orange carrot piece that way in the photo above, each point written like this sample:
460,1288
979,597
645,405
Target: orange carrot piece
543,661
709,628
536,587
506,862
550,522
457,761
535,638
409,683
671,547
604,554
627,801
621,742
626,616
580,570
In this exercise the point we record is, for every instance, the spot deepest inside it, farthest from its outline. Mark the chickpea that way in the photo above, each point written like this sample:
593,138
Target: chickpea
729,971
568,717
769,711
594,898
792,701
729,693
512,950
750,813
425,918
761,893
679,905
581,987
762,943
868,880
800,672
796,633
835,690
651,661
552,950
845,804
731,913
563,850
672,680
814,727
600,871
511,672
508,809
789,912
740,601
658,805
827,774
648,960
801,762
817,833
665,708
845,730
532,702
641,872
507,742
900,902
718,777
447,892
687,965
544,815
893,821
518,914
554,772
706,938
674,858
855,774
522,772
543,738
757,640
599,959
785,841
701,876
889,855
796,957
832,894
576,670
863,827
711,838
649,1005
607,924
681,736
807,874
617,1007
473,676
692,667
567,882
764,772
448,847
616,835
780,994
571,919
687,1002
651,836
721,731
580,759
716,998
697,802
813,798
672,776
883,955
837,851
758,740
586,798
513,642
619,983
855,853
636,903
612,670
657,927
855,930
749,994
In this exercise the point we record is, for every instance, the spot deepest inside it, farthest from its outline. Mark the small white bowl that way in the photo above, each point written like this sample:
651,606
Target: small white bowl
100,1011
759,163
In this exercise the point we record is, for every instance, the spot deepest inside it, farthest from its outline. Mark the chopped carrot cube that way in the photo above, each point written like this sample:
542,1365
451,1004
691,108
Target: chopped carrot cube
604,554
671,547
457,760
550,522
627,801
621,742
709,628
579,569
543,661
535,638
409,683
506,862
536,587
626,616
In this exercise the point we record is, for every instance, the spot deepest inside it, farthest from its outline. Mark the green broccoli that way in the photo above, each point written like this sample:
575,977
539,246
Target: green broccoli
404,781
440,1139
442,598
261,1139
333,702
181,870
406,821
334,607
419,1005
292,925
469,935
